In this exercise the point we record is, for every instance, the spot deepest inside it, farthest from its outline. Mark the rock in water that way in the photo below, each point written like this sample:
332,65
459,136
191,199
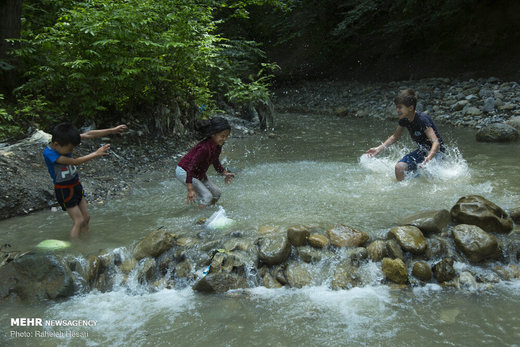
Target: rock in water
475,243
498,132
345,236
477,210
429,221
35,277
273,249
410,238
422,271
395,270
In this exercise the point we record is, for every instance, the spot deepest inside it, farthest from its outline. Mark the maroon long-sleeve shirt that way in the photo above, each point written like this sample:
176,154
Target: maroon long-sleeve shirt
197,161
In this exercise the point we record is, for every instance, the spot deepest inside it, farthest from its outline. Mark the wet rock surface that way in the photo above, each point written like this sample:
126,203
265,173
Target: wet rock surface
395,270
155,244
422,271
410,238
35,277
429,221
477,210
475,243
273,249
345,236
229,261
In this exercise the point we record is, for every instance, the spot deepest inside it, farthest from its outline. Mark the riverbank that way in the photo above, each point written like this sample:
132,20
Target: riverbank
469,103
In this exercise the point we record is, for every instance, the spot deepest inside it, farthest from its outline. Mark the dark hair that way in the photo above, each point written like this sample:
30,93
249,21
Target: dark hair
406,97
212,126
65,134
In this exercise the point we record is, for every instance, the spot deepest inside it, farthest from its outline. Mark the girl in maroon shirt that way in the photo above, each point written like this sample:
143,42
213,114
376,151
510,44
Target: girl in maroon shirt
192,168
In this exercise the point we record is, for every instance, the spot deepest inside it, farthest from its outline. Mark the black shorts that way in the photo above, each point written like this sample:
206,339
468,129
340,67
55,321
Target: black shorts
69,195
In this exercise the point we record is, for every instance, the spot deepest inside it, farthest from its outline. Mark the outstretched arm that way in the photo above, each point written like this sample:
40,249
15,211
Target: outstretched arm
372,152
103,132
78,161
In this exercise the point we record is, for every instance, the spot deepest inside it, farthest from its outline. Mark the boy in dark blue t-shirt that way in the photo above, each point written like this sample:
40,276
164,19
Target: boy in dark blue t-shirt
422,129
62,168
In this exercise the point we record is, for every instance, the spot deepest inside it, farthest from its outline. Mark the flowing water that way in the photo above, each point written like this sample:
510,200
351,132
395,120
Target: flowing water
311,172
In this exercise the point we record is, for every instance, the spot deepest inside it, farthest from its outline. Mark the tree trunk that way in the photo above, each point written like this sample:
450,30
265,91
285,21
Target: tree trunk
10,27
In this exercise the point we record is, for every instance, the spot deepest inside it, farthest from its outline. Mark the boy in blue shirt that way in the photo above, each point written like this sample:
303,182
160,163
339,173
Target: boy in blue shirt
422,129
64,173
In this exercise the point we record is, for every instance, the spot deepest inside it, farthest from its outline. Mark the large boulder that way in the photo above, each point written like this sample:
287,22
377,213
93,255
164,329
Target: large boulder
432,222
497,132
344,236
477,210
273,249
35,277
410,238
395,270
153,245
475,243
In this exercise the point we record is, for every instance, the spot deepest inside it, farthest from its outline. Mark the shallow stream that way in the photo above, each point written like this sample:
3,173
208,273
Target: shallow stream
311,171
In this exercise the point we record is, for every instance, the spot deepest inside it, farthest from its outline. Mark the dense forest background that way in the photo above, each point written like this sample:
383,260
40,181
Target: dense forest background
163,63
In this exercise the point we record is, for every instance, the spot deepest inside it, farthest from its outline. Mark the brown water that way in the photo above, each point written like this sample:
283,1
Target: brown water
313,173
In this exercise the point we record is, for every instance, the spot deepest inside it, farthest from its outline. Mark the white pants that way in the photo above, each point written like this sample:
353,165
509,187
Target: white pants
206,190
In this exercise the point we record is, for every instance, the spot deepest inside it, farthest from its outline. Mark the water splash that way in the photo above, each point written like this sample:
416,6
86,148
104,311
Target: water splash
451,167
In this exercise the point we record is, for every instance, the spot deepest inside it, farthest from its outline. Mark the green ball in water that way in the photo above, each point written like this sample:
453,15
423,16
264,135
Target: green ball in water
53,244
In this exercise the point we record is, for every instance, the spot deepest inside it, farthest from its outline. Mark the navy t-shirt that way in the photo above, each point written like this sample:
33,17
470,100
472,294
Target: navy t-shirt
417,130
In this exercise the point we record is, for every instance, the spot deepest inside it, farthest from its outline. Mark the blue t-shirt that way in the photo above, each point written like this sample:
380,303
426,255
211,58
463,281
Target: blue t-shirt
417,130
61,174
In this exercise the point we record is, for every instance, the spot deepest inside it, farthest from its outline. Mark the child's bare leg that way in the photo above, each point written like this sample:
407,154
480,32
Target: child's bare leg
78,220
86,216
400,170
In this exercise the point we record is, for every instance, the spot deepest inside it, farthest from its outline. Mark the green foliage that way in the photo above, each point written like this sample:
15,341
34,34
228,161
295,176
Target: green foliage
8,127
99,59
255,89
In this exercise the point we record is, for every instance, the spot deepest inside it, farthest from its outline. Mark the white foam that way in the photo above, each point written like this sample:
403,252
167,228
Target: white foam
116,313
356,312
381,164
